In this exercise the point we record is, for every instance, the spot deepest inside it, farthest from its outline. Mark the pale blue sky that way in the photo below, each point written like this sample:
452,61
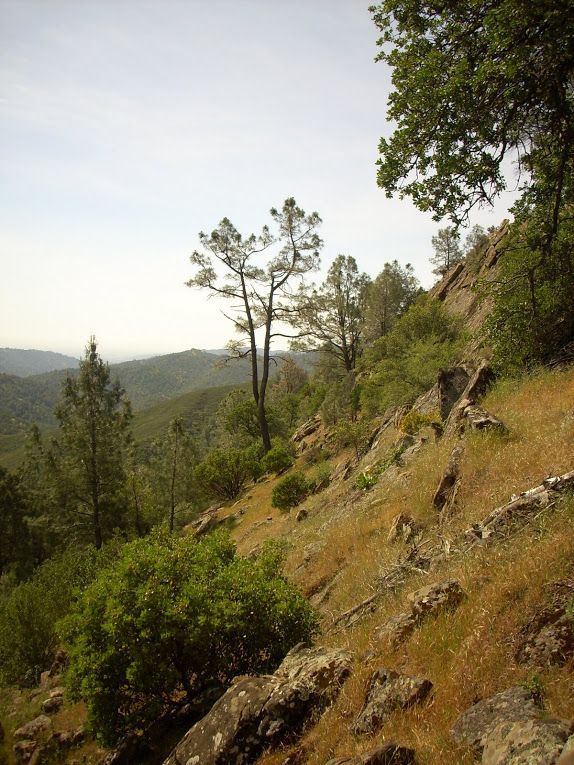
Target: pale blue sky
127,127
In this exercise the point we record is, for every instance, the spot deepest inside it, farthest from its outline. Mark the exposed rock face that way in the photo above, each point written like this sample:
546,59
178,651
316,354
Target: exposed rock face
500,520
525,742
475,725
403,528
389,754
456,291
387,692
476,388
259,711
548,638
205,523
33,728
451,385
446,489
428,601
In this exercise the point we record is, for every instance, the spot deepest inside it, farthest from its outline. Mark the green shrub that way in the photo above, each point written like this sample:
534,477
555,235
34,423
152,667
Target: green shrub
290,491
366,479
172,615
355,434
29,612
278,459
320,477
414,421
405,362
224,472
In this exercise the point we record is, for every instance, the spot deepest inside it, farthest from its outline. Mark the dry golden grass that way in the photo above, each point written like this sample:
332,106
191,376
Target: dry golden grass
468,654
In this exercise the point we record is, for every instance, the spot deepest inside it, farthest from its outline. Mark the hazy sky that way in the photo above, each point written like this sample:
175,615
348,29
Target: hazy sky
128,127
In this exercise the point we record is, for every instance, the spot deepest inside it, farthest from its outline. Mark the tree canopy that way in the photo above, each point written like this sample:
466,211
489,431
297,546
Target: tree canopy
475,83
87,457
228,266
172,614
330,317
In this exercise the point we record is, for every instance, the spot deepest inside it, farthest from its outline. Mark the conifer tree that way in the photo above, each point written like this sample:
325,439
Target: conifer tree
87,457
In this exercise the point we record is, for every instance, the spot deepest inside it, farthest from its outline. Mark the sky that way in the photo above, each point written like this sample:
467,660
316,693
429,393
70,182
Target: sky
126,128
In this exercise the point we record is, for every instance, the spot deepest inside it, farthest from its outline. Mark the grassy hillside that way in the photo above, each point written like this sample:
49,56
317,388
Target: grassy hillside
340,551
196,409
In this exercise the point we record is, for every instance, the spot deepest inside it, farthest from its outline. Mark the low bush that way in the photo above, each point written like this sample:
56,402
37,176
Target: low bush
278,459
414,421
176,615
224,472
320,477
290,491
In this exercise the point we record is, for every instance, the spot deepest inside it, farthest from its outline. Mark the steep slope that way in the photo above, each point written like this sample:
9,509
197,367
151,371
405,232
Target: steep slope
344,556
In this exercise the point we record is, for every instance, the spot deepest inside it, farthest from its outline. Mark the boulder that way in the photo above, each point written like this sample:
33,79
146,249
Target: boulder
567,756
437,597
477,418
547,639
51,705
24,751
33,728
525,742
473,727
403,528
388,754
428,601
257,712
446,489
387,692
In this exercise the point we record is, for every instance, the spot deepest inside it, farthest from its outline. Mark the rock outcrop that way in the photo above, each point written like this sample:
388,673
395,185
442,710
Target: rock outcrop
509,729
259,711
424,603
446,490
387,692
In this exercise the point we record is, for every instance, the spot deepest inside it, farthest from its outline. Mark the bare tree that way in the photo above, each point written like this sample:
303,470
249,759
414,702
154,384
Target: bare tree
261,294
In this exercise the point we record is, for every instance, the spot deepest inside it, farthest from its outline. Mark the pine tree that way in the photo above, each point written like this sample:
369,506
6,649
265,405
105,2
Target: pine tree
87,457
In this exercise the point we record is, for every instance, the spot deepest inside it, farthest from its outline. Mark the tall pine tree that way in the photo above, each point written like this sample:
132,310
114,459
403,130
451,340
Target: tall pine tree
88,456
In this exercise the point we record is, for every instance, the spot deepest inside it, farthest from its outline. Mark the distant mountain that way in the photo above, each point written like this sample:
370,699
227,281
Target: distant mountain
24,363
148,382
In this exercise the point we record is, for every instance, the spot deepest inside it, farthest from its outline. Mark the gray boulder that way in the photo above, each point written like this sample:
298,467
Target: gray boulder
387,692
424,603
259,711
33,728
525,742
475,725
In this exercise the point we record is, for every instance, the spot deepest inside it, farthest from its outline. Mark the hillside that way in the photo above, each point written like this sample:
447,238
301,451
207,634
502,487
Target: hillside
440,561
148,382
24,363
